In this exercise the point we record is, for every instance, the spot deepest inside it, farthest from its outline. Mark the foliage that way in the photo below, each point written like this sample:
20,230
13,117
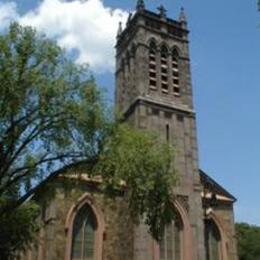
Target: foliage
248,237
18,230
50,109
142,163
52,115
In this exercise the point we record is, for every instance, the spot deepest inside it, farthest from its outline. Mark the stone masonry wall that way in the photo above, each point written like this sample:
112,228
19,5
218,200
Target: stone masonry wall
118,235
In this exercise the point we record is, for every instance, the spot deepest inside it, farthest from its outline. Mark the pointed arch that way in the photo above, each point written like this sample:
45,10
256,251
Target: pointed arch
223,254
152,44
164,58
84,218
164,50
212,240
172,239
183,237
175,67
187,245
175,52
152,64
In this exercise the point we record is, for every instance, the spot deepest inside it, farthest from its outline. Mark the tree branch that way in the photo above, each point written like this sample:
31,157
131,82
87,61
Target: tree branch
26,170
38,129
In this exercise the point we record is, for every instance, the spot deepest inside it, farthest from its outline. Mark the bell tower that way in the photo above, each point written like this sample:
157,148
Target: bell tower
154,92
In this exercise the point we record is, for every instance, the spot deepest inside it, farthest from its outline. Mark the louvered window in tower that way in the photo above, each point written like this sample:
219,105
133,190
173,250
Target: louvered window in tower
84,229
152,66
164,69
175,73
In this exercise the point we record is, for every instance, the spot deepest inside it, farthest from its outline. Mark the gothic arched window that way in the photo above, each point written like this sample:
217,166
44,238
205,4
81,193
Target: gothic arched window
175,72
171,243
164,69
212,240
152,65
84,234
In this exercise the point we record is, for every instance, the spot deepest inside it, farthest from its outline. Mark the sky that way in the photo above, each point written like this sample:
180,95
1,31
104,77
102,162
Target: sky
225,62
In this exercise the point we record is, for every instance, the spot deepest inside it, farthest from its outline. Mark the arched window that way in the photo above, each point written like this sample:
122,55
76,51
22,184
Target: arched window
152,65
212,240
84,234
164,69
171,243
175,72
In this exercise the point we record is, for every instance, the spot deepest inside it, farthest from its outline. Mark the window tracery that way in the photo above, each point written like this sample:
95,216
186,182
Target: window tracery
171,243
212,240
83,234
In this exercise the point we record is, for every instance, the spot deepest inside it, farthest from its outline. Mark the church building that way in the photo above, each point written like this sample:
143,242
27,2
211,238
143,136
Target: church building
153,91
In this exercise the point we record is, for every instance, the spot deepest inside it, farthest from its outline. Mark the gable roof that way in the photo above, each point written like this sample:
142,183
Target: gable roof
211,185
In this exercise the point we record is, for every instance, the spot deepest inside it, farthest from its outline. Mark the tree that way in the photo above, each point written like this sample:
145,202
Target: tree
248,237
18,230
50,109
51,115
142,163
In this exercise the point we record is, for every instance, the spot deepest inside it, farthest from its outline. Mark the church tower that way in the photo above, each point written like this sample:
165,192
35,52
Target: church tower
154,92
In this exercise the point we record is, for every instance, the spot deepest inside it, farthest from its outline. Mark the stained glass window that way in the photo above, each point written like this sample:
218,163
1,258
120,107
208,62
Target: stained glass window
84,228
212,240
170,245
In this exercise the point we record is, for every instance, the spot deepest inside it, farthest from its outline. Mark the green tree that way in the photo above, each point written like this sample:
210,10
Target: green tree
18,230
51,115
248,238
50,109
142,163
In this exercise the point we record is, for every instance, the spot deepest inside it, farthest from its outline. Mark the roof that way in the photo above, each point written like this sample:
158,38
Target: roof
211,185
78,165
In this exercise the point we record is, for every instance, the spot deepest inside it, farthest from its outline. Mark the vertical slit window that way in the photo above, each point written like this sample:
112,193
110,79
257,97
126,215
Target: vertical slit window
152,66
175,73
167,133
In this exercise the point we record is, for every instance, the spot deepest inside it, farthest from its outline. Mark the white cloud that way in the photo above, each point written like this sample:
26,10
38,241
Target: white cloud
88,27
8,13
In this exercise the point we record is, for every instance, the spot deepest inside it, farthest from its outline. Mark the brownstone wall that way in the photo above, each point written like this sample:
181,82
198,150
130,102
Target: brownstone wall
53,237
223,215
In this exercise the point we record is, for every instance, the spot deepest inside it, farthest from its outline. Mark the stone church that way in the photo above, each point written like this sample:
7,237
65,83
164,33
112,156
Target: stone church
153,91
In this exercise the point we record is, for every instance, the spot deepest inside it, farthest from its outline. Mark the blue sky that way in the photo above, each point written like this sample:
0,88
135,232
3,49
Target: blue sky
225,60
